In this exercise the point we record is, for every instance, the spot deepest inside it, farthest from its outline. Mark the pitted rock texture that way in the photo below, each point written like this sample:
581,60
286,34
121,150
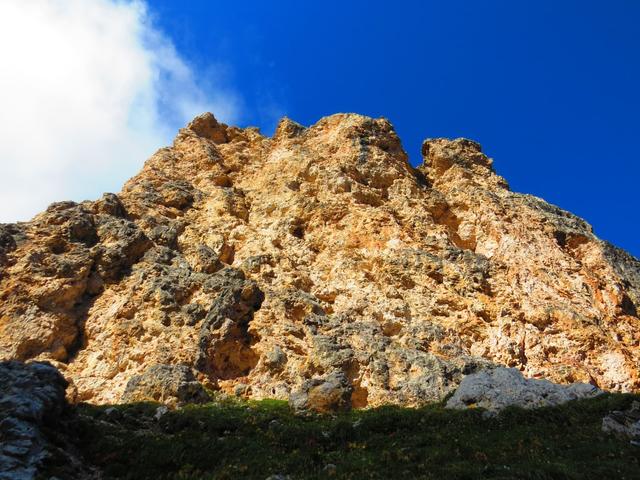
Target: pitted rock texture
499,388
265,262
324,395
33,424
174,385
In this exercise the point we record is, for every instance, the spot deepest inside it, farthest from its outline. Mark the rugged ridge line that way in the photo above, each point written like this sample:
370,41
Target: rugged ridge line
318,258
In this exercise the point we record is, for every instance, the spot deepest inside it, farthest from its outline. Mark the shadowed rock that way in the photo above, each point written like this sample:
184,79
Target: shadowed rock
33,424
329,394
624,424
171,384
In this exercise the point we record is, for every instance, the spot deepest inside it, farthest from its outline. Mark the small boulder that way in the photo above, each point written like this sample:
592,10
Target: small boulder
323,395
501,387
624,424
174,385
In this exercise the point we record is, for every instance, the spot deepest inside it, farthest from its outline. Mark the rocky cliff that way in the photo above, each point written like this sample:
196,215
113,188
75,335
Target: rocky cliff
317,263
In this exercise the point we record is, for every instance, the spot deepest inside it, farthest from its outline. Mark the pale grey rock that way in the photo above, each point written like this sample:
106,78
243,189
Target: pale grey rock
501,387
624,424
160,412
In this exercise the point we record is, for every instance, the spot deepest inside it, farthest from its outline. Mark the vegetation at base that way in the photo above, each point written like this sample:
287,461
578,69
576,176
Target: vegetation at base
229,439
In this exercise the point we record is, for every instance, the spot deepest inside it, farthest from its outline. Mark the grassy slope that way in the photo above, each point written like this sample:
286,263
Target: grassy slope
232,440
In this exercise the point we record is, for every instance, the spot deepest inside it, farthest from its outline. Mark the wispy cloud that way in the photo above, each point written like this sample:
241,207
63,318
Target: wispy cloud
88,90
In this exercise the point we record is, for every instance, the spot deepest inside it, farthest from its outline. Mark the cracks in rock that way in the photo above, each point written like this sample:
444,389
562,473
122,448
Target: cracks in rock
450,220
522,350
359,393
81,313
627,307
569,241
78,247
225,344
232,354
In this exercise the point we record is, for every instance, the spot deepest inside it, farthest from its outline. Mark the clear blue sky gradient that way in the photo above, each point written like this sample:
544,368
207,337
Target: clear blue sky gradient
551,89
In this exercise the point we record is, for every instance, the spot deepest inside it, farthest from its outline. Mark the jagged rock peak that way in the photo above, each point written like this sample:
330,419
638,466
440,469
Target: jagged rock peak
287,128
207,126
315,260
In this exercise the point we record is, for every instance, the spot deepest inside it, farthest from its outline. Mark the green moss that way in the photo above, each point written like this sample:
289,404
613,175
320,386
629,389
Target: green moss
231,439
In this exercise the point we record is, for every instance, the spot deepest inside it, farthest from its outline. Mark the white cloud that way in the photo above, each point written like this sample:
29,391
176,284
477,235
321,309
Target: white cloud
88,90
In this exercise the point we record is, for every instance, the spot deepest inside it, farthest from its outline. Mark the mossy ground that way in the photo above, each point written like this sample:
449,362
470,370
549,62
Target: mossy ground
236,440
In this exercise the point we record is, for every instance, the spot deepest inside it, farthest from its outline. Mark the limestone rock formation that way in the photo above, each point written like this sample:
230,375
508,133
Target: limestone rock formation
499,388
323,395
263,263
173,385
32,424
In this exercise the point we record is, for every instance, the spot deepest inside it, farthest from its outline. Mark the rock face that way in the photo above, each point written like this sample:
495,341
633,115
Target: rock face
499,388
263,263
32,405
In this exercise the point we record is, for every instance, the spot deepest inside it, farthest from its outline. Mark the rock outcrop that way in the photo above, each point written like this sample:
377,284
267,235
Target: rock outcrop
624,424
174,385
499,388
263,263
33,427
323,395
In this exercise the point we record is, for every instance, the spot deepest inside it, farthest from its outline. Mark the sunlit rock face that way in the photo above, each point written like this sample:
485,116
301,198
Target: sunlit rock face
268,266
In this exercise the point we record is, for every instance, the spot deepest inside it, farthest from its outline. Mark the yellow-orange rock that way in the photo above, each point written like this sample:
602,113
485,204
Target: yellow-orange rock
264,263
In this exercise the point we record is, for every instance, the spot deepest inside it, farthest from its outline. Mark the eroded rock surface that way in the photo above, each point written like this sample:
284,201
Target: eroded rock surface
499,388
263,263
324,395
174,385
32,424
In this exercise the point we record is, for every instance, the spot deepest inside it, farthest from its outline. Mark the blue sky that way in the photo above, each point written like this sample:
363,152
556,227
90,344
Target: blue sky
549,88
